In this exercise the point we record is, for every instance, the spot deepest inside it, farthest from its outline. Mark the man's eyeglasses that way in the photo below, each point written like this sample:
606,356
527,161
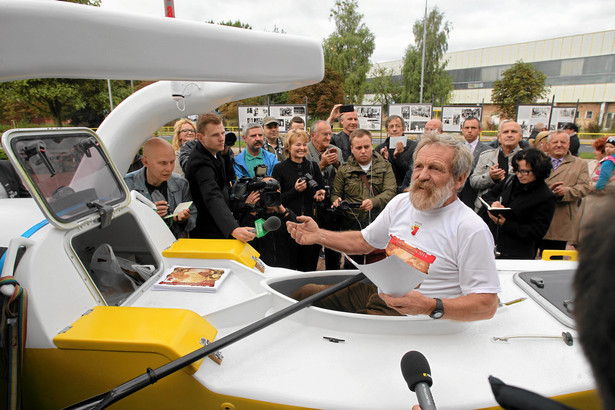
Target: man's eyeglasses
187,132
525,172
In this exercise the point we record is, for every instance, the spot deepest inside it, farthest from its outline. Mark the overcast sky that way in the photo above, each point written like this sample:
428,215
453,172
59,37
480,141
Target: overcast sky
475,24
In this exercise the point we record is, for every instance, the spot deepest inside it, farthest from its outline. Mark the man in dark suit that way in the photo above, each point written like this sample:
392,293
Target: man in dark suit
10,184
471,130
571,129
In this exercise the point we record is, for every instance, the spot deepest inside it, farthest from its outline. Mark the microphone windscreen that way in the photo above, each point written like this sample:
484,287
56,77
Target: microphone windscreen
415,368
272,223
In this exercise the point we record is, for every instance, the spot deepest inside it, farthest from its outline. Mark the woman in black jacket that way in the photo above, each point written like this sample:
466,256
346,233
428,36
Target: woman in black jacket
531,202
301,185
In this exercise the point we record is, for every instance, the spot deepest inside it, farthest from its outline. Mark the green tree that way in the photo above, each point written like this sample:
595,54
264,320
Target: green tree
437,84
520,84
231,23
51,97
321,96
349,48
383,87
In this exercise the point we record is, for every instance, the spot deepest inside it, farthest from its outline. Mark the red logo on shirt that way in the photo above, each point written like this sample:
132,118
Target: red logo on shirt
415,228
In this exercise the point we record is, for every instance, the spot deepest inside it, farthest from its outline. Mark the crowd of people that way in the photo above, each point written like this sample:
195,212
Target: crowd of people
528,193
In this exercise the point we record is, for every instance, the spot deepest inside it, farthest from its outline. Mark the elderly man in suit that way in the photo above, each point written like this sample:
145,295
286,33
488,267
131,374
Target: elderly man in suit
471,132
569,181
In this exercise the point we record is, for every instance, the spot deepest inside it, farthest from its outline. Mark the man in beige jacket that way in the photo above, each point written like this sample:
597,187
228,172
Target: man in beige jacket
569,181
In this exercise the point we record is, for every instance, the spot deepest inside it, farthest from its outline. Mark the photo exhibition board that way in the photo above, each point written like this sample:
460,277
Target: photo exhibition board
283,113
454,115
415,116
530,115
560,116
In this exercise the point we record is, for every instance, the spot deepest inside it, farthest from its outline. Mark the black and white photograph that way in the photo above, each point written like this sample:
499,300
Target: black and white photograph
284,113
405,112
418,126
453,116
415,116
470,112
541,112
370,116
420,111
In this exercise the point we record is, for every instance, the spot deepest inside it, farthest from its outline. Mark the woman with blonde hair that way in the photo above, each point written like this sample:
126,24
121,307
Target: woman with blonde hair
183,130
301,185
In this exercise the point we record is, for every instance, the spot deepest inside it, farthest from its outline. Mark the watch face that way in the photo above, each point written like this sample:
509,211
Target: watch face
437,314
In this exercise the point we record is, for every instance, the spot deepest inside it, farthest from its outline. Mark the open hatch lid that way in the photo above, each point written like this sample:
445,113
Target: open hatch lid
68,172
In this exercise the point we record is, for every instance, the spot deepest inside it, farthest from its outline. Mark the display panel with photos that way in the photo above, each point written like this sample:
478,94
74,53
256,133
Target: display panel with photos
370,117
528,116
415,116
560,116
454,115
283,113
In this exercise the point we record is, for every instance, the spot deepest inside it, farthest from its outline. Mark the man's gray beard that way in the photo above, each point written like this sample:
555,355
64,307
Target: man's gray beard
431,197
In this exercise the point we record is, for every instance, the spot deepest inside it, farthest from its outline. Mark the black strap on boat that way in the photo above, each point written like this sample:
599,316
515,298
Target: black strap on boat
151,376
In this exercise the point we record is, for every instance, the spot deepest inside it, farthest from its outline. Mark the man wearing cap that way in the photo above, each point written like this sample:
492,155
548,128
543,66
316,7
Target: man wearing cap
350,122
273,143
253,155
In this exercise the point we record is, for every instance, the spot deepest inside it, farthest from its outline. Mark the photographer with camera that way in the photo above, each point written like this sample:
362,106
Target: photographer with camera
302,186
363,185
254,202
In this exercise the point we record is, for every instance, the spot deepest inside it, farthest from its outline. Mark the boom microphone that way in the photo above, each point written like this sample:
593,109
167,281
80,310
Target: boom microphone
417,374
261,227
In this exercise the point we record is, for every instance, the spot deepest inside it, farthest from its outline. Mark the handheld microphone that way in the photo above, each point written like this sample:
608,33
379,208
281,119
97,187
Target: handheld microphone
261,227
417,374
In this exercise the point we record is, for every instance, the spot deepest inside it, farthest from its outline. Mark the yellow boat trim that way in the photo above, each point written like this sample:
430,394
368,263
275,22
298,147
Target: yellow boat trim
171,333
213,249
57,378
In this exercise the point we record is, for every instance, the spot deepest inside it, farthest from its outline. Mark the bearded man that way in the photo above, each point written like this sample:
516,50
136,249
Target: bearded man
462,282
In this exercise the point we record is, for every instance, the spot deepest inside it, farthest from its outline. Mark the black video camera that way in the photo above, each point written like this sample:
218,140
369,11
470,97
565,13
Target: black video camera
268,190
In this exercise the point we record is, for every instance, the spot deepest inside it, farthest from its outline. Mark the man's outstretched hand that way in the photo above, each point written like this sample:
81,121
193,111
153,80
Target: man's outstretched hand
306,232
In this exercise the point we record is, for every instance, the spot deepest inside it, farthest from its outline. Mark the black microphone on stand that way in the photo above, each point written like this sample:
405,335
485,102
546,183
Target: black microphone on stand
417,374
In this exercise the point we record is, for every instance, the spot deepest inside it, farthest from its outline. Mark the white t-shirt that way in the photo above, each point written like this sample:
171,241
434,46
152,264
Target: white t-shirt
455,235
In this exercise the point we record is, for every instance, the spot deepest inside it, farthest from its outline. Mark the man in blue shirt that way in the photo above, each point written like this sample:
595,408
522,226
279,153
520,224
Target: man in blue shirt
253,155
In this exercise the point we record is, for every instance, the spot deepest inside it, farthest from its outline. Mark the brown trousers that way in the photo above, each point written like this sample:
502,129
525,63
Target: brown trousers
357,298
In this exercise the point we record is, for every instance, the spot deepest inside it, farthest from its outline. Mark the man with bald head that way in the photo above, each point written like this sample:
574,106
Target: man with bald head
495,165
349,122
157,182
433,126
569,181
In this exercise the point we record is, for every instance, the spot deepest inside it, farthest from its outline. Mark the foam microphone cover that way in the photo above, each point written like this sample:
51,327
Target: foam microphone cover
415,368
272,223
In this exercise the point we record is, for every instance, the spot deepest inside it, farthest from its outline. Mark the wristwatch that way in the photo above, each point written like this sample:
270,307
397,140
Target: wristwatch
438,312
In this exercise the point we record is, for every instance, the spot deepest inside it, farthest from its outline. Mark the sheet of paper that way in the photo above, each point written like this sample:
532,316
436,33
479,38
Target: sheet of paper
392,275
394,140
181,207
